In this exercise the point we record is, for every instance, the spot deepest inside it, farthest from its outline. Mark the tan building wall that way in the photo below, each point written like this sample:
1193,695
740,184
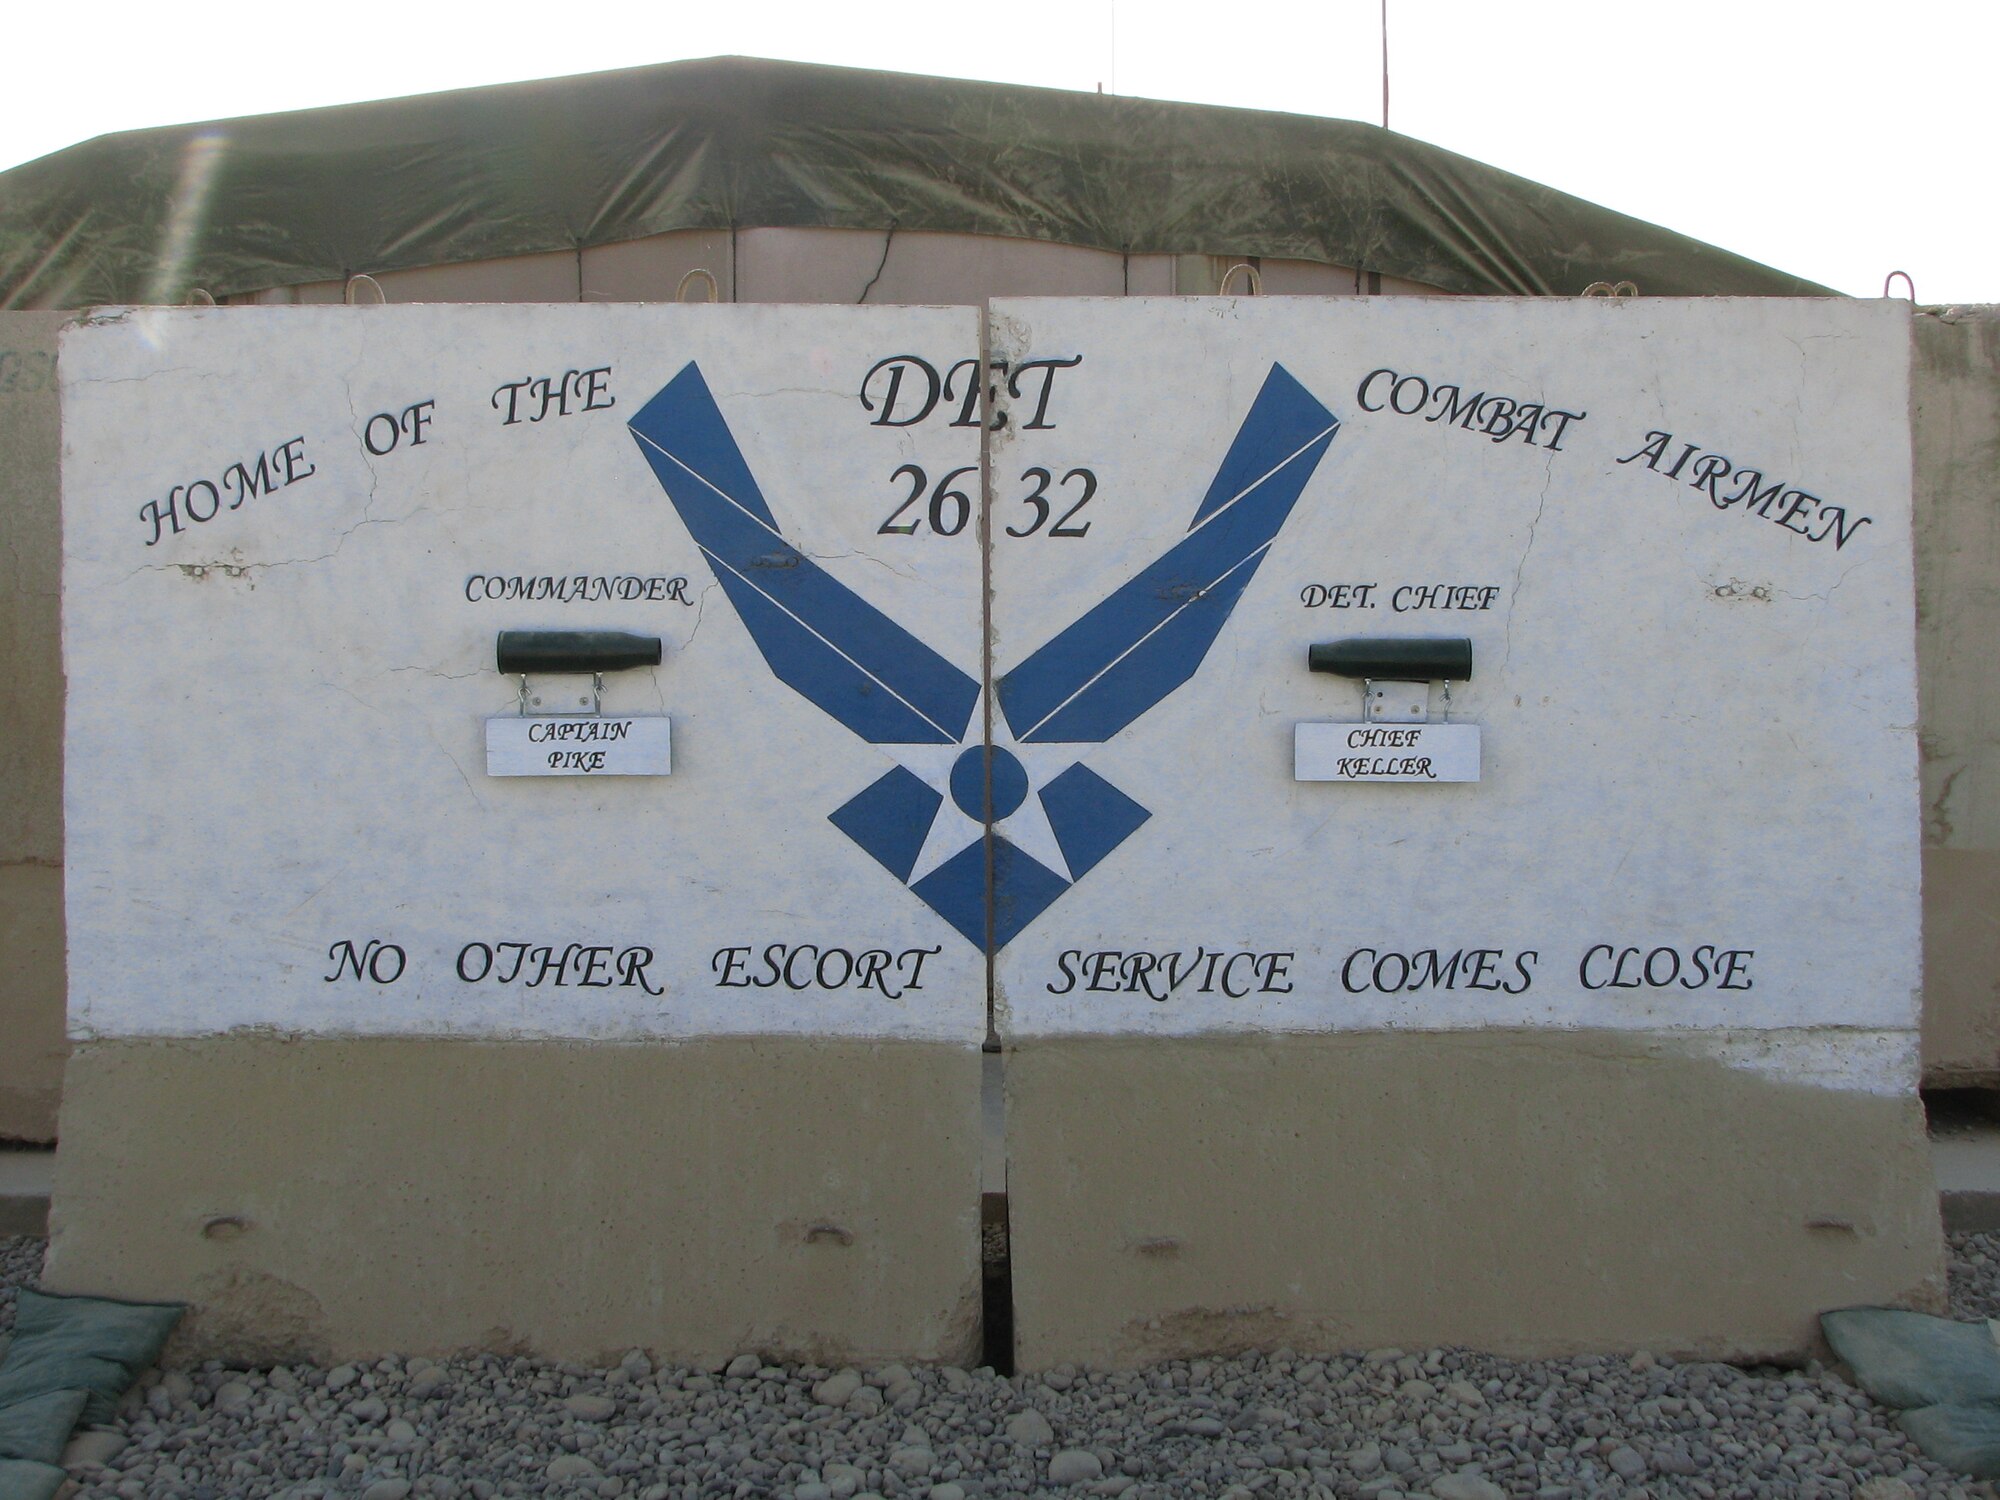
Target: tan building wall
1955,393
31,709
841,266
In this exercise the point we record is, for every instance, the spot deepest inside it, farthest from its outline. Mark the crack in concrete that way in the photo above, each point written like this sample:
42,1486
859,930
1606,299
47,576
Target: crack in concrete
1828,595
1942,825
700,609
437,672
1521,568
471,791
237,569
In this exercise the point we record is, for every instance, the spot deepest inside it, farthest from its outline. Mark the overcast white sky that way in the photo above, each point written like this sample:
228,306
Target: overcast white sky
1832,144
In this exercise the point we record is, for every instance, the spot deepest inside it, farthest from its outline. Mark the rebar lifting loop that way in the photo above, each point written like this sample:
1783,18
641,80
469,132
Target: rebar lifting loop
714,286
1906,282
358,279
1254,276
1612,289
200,297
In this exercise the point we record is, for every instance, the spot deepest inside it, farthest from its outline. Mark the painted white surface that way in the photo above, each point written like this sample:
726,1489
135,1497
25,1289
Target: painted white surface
275,733
1413,753
1698,723
1867,1062
579,745
1698,800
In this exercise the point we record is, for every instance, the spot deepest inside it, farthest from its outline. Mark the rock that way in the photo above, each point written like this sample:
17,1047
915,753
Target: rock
1396,1460
92,1447
1464,1392
743,1364
866,1402
1031,1429
1466,1487
1626,1463
842,1480
180,1389
947,1492
837,1388
913,1463
400,1431
428,1383
588,1408
1366,1461
233,1395
636,1365
1881,1487
1416,1390
813,1491
387,1489
1075,1466
337,1379
570,1466
368,1410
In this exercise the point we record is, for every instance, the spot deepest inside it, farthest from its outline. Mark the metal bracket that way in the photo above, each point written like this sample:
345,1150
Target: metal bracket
546,702
1386,701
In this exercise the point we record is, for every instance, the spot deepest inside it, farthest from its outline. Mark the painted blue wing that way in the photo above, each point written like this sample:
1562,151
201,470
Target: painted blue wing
820,638
1148,637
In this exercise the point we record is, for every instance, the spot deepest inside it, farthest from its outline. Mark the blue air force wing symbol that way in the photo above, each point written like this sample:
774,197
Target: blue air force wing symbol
1082,687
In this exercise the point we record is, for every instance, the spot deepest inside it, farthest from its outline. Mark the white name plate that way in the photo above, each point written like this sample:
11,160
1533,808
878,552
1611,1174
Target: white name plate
578,745
1386,752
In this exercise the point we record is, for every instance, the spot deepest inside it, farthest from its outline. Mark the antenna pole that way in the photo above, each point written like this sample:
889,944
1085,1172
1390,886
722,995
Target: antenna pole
1385,64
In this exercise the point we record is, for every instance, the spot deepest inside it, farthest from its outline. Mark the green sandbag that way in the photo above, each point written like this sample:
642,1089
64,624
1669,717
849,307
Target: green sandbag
1910,1359
38,1427
88,1344
24,1479
1965,1438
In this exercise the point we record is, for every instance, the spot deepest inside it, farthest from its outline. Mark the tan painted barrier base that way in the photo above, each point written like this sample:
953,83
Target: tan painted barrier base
1529,1194
816,1200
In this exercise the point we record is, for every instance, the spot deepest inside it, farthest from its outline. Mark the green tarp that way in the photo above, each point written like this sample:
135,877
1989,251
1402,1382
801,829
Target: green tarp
240,205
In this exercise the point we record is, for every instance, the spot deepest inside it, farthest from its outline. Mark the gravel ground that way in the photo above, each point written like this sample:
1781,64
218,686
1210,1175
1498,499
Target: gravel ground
1975,1275
20,1265
1441,1423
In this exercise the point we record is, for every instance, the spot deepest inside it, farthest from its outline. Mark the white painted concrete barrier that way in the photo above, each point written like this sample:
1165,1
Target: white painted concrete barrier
1676,536
985,660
